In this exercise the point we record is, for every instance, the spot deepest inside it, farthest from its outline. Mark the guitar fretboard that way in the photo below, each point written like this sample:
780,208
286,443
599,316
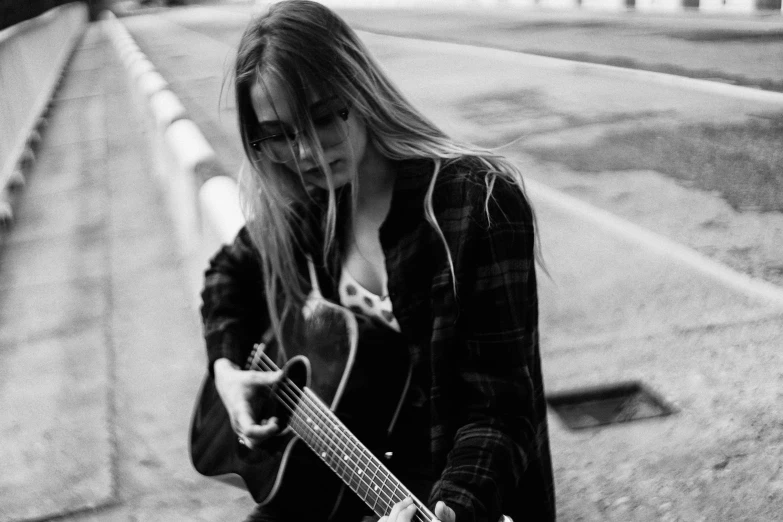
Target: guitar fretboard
359,469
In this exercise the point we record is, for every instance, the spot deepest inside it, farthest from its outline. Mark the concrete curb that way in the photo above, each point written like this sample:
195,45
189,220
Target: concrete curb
218,200
167,109
44,73
205,210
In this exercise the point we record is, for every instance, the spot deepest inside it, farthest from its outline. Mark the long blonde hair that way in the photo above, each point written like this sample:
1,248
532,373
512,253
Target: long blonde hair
309,49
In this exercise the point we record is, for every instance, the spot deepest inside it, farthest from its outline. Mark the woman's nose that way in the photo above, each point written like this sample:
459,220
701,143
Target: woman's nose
304,149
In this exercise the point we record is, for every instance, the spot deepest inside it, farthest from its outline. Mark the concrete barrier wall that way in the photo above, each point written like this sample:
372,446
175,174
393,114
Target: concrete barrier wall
221,217
202,199
33,55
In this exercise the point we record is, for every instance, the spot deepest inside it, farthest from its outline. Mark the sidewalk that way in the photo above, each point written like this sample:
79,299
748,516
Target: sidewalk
100,348
55,309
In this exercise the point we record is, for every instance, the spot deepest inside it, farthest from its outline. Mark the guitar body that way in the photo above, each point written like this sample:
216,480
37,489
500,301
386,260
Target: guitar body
360,369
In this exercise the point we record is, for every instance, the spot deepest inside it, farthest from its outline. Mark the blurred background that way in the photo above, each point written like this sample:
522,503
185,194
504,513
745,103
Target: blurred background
649,132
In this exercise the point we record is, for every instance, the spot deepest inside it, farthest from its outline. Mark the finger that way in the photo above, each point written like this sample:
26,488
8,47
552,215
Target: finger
266,429
444,513
399,507
243,421
266,378
406,515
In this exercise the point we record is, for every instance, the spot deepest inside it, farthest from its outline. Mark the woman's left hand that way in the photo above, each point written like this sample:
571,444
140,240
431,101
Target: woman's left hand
405,510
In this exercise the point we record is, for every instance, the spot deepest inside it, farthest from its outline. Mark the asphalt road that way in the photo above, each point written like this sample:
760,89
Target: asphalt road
741,49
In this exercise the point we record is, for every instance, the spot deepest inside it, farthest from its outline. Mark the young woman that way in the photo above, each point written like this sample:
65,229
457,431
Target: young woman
430,238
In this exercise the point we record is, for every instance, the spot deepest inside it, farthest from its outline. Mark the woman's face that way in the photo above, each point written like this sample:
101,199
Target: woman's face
344,142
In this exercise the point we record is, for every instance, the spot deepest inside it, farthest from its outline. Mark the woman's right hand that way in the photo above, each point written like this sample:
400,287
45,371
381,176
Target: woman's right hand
236,388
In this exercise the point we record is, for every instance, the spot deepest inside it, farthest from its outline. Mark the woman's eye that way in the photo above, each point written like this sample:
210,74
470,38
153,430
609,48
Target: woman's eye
323,120
280,138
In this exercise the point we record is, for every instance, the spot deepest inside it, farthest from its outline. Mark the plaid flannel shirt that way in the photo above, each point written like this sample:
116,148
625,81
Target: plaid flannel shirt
489,438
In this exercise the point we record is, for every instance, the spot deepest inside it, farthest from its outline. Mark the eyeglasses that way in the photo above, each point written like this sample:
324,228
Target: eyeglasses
282,145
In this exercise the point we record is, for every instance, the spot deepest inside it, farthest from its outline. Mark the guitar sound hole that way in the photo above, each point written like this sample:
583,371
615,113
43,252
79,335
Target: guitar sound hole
288,393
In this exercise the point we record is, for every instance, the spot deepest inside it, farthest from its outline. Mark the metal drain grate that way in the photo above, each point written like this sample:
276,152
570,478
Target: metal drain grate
612,404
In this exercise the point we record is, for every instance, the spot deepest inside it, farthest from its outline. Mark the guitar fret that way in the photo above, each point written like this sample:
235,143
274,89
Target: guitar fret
371,482
341,451
390,502
319,445
359,455
365,487
375,488
324,447
351,465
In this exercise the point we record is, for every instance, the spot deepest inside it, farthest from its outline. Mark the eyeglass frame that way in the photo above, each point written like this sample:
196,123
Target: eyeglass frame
293,137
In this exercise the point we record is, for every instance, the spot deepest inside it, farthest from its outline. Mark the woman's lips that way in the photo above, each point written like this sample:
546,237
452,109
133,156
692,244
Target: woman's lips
315,177
316,171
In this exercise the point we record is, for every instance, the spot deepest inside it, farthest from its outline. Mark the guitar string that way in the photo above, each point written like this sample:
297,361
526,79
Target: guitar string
365,485
325,412
361,482
320,411
385,496
252,360
305,402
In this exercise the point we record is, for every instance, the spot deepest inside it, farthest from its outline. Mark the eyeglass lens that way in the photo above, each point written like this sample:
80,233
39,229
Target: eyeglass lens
330,127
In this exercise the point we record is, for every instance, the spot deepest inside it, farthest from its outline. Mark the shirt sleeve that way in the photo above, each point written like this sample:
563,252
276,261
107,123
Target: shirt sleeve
494,356
233,310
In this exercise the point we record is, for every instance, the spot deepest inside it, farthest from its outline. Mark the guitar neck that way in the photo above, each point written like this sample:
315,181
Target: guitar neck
358,468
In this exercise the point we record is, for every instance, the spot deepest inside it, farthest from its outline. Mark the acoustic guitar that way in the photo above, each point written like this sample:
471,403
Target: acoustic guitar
336,406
